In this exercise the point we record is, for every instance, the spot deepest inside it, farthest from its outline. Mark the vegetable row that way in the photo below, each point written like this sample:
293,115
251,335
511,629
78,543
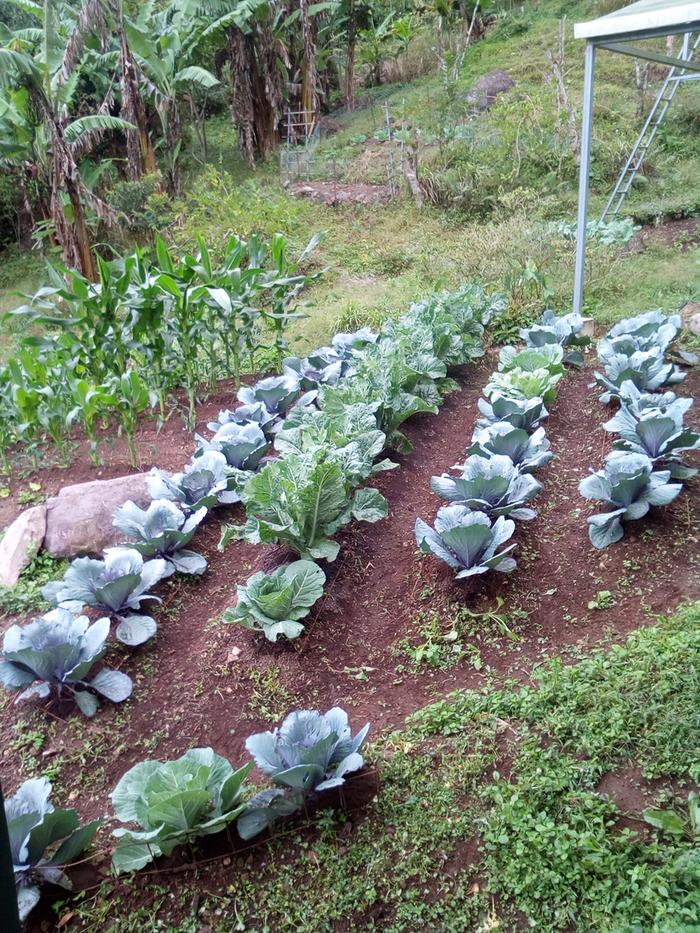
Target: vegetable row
328,417
495,484
163,805
651,436
152,324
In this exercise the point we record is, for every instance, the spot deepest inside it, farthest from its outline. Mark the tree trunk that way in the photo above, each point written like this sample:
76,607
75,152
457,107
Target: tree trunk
71,231
242,105
257,92
350,59
309,81
141,157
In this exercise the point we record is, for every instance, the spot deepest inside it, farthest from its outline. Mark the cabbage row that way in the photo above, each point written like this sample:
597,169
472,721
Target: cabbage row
651,436
495,485
162,805
295,451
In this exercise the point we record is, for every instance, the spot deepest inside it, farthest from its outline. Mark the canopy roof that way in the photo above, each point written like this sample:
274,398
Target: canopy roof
655,17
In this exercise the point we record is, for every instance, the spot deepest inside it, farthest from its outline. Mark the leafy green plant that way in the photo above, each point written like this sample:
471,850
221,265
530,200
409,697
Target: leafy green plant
173,803
91,402
532,359
524,384
56,652
604,599
521,413
309,753
528,452
348,433
273,603
563,330
301,501
43,840
630,485
658,433
670,821
204,483
467,541
132,398
492,485
242,445
384,379
163,530
116,585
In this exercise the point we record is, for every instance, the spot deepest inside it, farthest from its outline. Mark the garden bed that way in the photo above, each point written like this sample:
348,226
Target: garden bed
376,642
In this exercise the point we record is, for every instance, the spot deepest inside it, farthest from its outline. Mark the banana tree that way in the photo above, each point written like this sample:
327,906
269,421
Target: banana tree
163,43
46,62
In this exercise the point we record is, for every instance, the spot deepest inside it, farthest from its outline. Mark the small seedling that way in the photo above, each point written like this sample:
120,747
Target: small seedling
604,599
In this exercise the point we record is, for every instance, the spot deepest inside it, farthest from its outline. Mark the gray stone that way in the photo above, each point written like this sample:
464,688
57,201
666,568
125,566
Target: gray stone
588,329
21,543
483,94
690,313
79,518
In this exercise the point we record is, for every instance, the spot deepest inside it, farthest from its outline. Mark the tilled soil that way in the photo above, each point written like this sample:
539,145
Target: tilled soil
205,683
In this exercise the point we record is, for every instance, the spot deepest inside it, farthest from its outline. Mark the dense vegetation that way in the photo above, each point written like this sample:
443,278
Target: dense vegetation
170,257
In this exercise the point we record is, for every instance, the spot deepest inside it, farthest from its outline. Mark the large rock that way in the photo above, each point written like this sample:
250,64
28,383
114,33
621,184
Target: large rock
487,88
79,518
21,543
691,316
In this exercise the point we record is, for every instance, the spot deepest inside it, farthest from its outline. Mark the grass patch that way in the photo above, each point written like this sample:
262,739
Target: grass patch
489,815
26,596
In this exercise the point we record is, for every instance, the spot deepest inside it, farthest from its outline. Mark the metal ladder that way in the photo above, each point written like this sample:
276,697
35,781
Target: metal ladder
646,137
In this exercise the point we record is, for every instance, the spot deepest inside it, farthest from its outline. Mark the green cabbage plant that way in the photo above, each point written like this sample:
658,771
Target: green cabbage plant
174,802
116,585
630,486
524,384
302,501
163,530
43,840
55,654
530,360
348,433
467,541
273,603
310,752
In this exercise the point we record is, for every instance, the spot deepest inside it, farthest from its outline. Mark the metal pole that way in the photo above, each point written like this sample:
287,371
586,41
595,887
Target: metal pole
584,171
9,914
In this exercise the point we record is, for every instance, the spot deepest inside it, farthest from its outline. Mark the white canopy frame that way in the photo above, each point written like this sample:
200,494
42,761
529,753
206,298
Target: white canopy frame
619,32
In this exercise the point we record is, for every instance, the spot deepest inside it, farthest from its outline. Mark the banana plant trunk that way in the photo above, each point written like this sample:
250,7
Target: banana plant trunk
64,178
141,157
309,85
350,59
257,91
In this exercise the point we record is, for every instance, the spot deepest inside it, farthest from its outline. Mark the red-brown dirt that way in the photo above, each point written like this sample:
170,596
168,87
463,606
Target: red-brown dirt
205,683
